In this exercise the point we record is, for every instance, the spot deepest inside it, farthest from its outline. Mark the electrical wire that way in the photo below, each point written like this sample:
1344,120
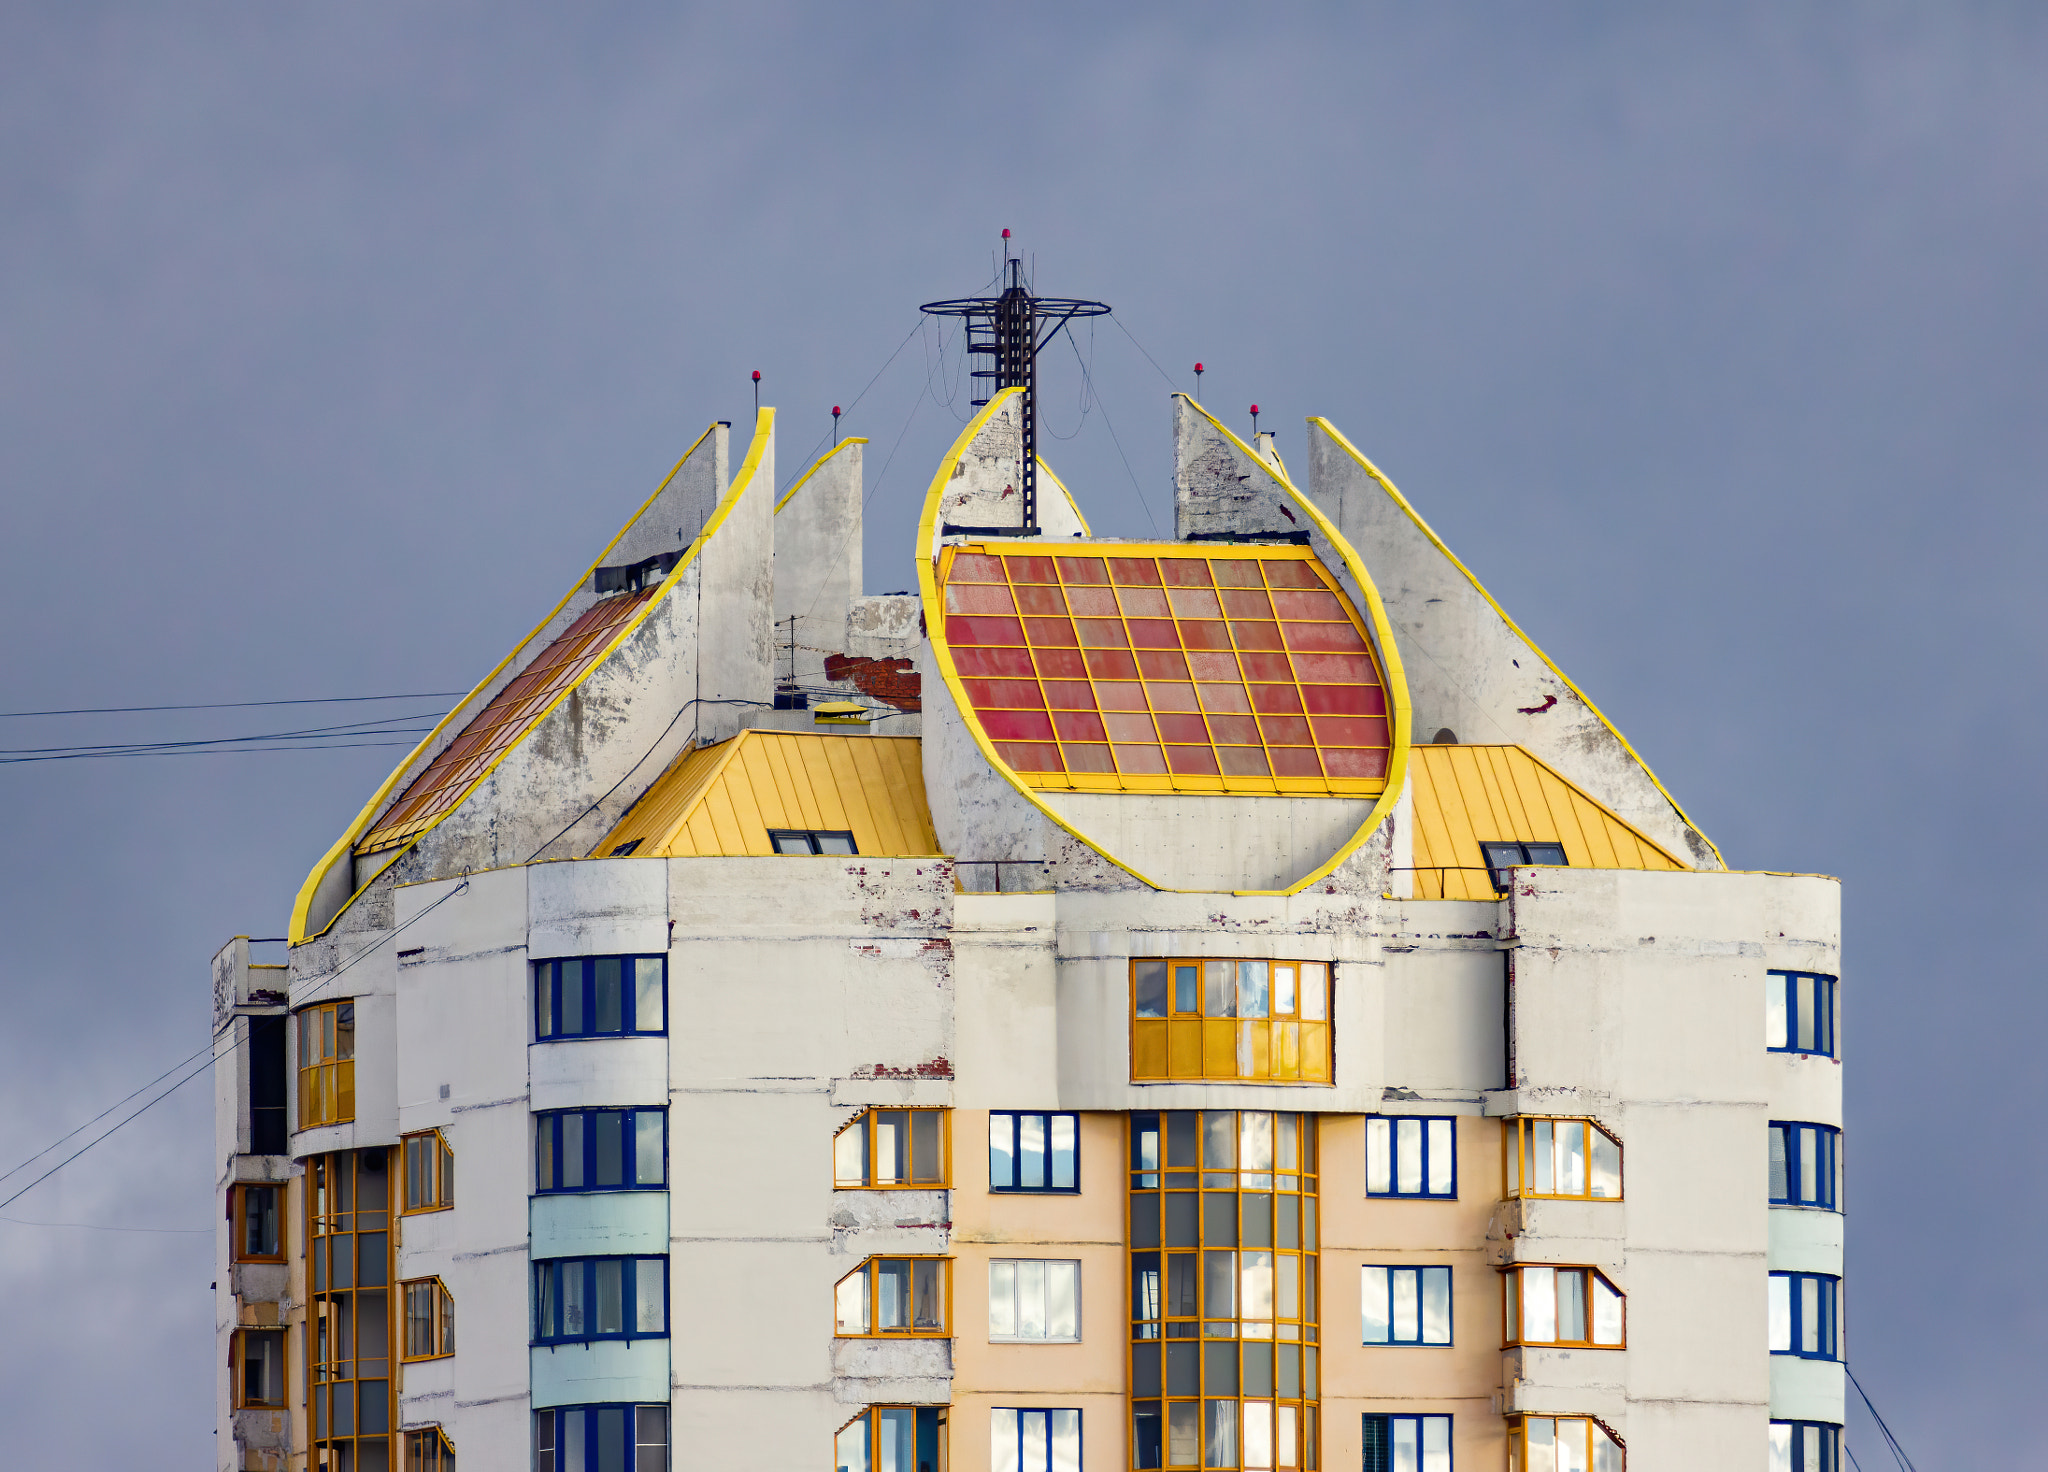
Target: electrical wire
347,728
87,756
1111,425
117,710
96,1227
1170,383
915,329
1898,1451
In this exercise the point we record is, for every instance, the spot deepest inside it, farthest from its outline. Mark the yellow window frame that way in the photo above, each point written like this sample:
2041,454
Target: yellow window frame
867,1306
1603,1450
440,1318
239,1217
1520,1157
429,1165
429,1450
857,1157
871,1433
1514,1330
239,1378
327,1068
1189,1035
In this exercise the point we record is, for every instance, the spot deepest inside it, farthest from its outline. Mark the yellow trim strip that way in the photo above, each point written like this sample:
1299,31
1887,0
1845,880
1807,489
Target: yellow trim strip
855,439
1438,542
302,905
942,653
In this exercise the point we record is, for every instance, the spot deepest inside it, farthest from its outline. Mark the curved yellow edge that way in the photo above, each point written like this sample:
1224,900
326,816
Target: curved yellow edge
1395,674
942,653
1073,505
1438,542
817,465
302,905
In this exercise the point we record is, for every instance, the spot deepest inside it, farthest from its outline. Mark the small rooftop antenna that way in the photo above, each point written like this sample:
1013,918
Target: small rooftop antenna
1198,378
757,391
1008,331
835,426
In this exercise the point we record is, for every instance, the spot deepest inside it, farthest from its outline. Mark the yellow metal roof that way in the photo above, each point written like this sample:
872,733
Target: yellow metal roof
720,801
1467,795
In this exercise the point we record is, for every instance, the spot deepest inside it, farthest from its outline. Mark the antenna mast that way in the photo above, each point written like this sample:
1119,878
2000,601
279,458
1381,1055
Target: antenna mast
1009,331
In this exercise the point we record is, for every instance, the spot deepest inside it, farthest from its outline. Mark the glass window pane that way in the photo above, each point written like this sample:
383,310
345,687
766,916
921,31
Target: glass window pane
1252,989
571,997
1774,1011
1315,990
1606,1166
608,1006
1405,1452
1407,1327
1542,1160
1442,1157
1031,1151
850,1450
850,1303
609,1163
1187,987
1030,1300
1258,1436
650,1295
1063,1300
926,1168
1065,1152
1436,1305
1379,1156
610,1302
571,1281
1219,1140
1809,1315
1221,1442
647,1001
572,1151
1539,1305
1780,1308
1255,1141
1002,1160
1219,989
1002,1299
1571,1306
850,1154
1408,1156
1149,988
1809,1160
1375,1297
652,1439
1571,1141
1802,1013
1002,1442
649,1147
1064,1432
1606,1313
892,1146
1283,990
1571,1444
1436,1444
834,843
928,1308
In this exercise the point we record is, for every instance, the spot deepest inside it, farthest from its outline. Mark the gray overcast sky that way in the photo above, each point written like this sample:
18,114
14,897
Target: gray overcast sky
335,339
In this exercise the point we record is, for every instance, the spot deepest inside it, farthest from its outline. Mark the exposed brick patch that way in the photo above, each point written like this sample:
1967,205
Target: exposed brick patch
892,681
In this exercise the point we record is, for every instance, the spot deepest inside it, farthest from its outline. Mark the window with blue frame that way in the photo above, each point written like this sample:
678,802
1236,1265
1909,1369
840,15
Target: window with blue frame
1799,1013
579,1298
1034,1152
1805,1165
616,1438
1034,1441
1805,1446
600,1150
1411,1157
1406,1443
1805,1314
1405,1305
600,997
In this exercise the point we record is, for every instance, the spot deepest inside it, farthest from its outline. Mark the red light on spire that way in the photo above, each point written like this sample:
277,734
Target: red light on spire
757,375
835,411
1255,410
1006,235
1198,370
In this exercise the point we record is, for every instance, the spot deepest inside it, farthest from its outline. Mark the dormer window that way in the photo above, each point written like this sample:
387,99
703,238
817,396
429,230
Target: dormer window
1505,855
634,575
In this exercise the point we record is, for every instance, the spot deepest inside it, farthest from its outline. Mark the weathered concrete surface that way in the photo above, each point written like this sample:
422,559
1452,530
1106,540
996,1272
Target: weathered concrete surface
987,484
818,563
1476,674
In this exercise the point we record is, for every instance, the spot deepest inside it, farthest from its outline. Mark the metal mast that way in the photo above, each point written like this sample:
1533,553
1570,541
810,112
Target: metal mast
1005,333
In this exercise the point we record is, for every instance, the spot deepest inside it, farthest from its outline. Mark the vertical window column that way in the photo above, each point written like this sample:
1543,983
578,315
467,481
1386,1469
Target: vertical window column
348,1322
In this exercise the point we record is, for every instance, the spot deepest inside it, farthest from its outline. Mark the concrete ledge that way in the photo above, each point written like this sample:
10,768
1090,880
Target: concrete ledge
595,1073
1808,1390
599,1224
1805,1240
601,1370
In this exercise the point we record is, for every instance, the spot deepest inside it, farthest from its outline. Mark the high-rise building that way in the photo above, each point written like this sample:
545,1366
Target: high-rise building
1222,1001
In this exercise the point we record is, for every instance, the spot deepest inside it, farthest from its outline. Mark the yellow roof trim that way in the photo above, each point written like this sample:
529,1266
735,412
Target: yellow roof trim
723,800
302,905
1390,658
1463,796
1072,505
1438,542
816,465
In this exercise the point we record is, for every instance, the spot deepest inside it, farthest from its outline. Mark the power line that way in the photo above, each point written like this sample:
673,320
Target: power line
96,1227
346,728
1170,383
86,756
1898,1452
1111,425
855,404
116,710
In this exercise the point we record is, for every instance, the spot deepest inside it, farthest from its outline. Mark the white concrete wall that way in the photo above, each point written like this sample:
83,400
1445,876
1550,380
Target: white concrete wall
818,563
736,608
987,484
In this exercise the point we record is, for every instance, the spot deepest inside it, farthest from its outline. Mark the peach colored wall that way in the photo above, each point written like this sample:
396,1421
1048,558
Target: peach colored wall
1462,1379
1089,1227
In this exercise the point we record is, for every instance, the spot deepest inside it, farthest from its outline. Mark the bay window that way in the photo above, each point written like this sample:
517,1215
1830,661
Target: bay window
1573,1307
1574,1159
894,1296
893,1148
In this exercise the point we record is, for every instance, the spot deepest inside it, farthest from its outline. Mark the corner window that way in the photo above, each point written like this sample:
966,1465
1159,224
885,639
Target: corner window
1034,1441
811,841
258,1218
617,1438
1805,1311
1575,1307
258,1367
892,1439
600,997
1805,1446
429,1172
1406,1443
1257,1021
1503,856
1033,1302
578,1298
893,1148
327,1068
1411,1157
1805,1165
429,1319
1034,1152
1405,1305
892,1296
429,1451
600,1150
1571,1158
1541,1443
1799,1013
